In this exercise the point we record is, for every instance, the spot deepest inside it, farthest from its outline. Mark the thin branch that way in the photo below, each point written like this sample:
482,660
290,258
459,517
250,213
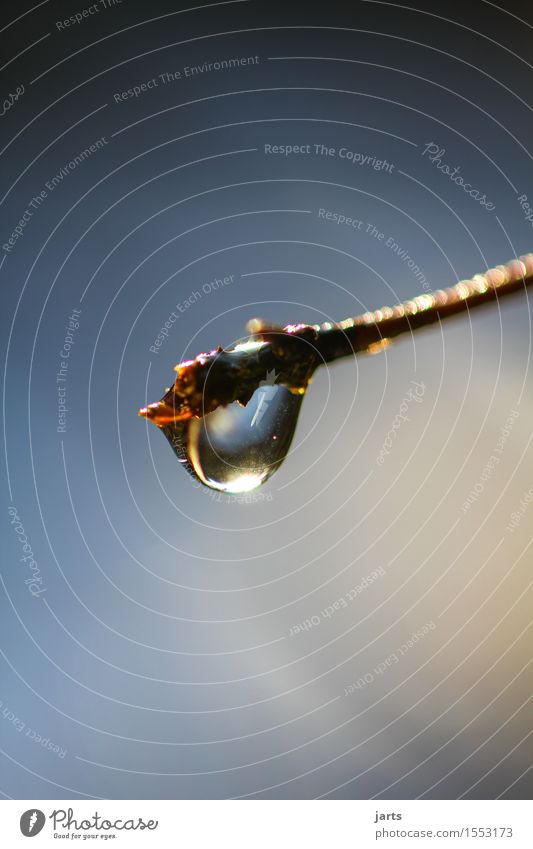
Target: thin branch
294,352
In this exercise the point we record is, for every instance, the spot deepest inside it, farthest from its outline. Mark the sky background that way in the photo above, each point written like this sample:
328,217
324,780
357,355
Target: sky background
161,658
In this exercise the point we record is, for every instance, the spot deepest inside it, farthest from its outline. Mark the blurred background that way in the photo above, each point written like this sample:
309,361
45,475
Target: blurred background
361,629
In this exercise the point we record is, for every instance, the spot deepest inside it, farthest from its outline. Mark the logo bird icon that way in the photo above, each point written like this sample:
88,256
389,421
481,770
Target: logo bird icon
32,822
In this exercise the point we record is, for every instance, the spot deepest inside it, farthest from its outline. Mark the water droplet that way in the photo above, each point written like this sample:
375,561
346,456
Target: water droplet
236,448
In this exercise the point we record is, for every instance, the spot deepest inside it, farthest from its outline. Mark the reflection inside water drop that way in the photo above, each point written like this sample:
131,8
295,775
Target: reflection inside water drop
236,448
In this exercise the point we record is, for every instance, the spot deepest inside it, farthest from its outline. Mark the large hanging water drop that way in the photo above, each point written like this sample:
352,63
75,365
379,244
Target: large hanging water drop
237,448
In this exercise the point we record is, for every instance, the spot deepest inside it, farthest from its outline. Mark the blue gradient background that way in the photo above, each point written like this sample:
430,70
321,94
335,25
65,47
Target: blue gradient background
160,655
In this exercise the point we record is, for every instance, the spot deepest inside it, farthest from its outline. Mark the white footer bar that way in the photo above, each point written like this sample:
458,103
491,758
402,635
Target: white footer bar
269,824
